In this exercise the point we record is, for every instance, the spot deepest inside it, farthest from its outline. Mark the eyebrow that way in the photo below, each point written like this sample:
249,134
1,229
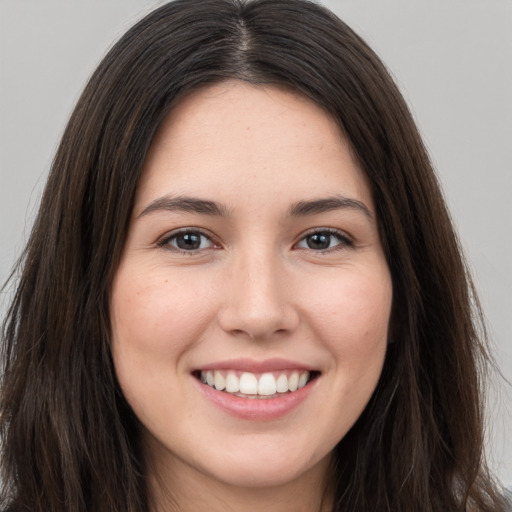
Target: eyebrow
299,209
316,206
186,204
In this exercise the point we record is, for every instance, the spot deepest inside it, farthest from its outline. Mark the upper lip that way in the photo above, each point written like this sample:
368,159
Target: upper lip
254,366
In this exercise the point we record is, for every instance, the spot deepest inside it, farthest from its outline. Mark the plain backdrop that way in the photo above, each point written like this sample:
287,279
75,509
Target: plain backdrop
451,59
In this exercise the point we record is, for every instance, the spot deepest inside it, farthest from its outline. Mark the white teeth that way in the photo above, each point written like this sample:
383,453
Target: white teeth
293,381
249,384
232,383
303,379
282,383
220,381
267,385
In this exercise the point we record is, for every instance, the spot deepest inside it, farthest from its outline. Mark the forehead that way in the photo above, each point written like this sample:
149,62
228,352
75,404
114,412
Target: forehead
235,135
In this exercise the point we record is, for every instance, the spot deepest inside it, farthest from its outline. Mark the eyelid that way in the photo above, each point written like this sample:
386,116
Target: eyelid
346,241
163,241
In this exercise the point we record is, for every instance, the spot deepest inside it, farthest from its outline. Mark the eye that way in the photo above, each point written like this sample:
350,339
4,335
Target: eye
324,240
187,240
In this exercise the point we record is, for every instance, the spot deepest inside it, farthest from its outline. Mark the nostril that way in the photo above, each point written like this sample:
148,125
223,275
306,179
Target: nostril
258,313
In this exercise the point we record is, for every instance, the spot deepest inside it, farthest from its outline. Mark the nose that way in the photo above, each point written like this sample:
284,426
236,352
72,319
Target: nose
258,299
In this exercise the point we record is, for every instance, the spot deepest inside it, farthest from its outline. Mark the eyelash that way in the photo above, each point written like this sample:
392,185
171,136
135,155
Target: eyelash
165,242
342,238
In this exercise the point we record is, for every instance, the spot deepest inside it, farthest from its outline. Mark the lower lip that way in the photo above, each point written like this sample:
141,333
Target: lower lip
256,409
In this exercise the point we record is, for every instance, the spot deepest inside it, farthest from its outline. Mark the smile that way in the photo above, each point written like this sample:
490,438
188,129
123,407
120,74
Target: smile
256,390
256,385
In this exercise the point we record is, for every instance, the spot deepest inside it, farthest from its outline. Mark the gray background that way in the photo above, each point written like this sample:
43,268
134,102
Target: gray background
451,59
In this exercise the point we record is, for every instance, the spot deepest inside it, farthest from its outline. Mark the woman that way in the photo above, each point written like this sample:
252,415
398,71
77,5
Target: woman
243,290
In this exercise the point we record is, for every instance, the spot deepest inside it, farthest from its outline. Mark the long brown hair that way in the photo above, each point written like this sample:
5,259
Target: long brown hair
69,440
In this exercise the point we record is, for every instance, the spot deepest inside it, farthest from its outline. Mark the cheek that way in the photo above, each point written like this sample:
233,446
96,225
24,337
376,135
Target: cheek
155,320
355,307
156,314
351,318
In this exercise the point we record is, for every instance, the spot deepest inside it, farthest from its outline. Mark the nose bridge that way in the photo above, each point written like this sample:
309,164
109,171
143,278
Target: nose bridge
257,300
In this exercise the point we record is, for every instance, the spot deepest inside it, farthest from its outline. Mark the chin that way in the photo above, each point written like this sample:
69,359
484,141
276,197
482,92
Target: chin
259,474
259,462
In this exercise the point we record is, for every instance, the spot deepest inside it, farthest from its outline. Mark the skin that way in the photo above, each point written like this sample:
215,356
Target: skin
254,288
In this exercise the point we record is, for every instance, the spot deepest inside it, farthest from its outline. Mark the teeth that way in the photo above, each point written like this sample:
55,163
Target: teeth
267,384
293,381
248,384
303,379
232,383
282,384
220,381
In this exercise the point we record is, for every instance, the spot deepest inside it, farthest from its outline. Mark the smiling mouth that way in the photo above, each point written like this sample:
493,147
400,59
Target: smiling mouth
256,385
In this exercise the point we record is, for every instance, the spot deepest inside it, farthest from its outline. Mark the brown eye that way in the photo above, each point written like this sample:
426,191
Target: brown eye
319,241
187,241
324,240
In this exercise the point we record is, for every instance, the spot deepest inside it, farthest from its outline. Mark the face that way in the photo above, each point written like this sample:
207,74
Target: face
251,305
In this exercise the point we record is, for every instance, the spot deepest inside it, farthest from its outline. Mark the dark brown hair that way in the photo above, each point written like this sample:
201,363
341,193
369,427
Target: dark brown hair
69,440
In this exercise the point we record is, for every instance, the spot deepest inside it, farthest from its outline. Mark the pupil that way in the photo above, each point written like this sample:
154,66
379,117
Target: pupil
189,241
319,241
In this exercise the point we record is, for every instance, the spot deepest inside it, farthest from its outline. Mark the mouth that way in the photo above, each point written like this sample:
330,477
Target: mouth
262,385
